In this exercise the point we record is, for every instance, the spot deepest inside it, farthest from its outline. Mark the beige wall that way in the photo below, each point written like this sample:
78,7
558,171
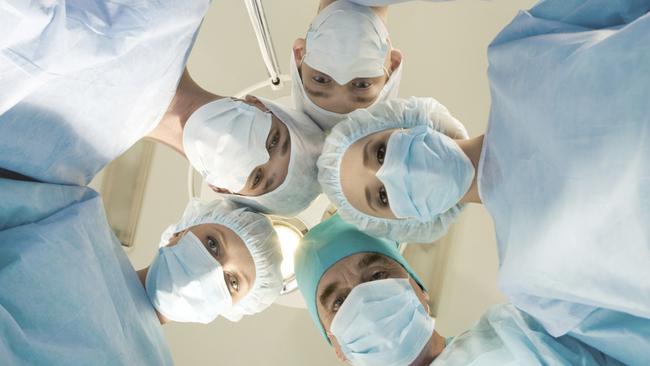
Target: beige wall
445,57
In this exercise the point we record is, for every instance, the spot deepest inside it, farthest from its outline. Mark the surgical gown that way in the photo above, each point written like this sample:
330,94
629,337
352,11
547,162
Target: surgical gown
82,81
69,295
504,336
565,168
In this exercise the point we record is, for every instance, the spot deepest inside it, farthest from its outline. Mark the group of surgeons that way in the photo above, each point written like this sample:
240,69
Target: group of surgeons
563,169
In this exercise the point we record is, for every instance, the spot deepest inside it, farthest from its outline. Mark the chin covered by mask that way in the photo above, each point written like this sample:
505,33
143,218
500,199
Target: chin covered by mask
424,172
181,282
186,284
226,139
426,114
300,187
382,323
345,41
224,129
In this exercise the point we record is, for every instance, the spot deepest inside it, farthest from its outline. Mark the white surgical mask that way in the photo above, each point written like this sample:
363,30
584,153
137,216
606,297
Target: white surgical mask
225,141
345,41
382,323
186,284
424,172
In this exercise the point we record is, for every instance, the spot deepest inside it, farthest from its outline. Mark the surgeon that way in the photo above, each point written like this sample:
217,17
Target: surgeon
372,309
253,151
66,279
219,259
68,117
355,151
561,170
345,62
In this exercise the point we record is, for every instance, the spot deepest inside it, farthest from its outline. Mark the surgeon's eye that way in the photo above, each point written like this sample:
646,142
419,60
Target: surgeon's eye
338,302
361,84
383,197
257,178
213,247
379,275
232,282
275,140
381,154
321,79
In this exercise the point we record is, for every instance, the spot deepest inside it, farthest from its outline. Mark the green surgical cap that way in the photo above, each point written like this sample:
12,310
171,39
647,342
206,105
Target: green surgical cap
329,242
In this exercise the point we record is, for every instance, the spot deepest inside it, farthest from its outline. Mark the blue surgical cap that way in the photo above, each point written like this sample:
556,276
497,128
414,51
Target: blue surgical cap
329,242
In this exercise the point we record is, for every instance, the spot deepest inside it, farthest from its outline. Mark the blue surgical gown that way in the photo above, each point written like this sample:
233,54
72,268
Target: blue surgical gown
565,168
69,295
82,81
505,336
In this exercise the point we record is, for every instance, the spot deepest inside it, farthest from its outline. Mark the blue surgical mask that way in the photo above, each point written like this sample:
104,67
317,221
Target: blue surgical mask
424,172
186,284
382,323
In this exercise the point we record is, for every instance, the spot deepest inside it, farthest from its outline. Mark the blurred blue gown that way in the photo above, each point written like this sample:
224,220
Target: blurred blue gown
505,336
69,295
82,81
565,169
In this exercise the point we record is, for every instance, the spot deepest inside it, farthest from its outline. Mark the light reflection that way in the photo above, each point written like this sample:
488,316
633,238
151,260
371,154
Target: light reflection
289,239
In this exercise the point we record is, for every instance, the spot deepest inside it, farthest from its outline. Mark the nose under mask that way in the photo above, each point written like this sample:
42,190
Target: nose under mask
382,323
424,172
225,141
186,284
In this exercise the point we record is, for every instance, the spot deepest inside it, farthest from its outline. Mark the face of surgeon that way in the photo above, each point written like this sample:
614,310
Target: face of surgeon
270,175
342,277
230,251
360,185
329,95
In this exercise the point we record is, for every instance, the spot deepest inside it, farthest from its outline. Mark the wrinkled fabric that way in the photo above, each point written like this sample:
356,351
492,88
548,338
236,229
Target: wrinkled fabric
564,170
505,336
69,293
622,336
83,81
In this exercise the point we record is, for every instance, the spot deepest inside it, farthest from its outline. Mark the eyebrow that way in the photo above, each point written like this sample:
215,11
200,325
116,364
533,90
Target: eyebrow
246,279
366,153
327,293
370,259
364,100
369,200
269,182
286,144
315,93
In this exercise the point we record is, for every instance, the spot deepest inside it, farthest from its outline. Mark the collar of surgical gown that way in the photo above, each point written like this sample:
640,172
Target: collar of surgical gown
69,293
565,168
505,336
88,79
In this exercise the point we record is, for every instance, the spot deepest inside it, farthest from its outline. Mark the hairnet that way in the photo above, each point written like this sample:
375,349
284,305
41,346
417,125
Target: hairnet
300,187
259,237
396,113
329,242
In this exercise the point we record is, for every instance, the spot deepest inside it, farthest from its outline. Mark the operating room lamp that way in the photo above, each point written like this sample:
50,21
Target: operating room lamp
289,229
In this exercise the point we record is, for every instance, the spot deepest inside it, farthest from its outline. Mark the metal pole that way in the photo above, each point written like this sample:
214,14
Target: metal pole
260,26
